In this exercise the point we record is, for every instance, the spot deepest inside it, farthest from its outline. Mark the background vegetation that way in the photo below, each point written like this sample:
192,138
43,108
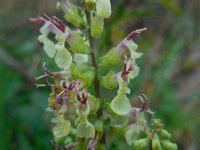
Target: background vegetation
170,70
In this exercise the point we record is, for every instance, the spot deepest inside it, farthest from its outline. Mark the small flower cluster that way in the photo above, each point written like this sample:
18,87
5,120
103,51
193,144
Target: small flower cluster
79,112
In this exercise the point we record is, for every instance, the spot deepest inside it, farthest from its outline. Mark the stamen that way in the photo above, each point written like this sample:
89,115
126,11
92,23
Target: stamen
61,93
134,33
40,85
37,20
42,76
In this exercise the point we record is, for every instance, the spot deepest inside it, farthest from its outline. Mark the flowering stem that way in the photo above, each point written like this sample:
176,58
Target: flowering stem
95,65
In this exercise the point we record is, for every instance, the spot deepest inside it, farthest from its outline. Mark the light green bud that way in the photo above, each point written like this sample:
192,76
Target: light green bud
166,145
141,144
97,26
156,124
163,134
103,8
156,143
90,4
109,81
72,13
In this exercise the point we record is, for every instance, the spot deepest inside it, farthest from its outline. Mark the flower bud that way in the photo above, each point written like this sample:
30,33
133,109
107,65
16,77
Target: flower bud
156,143
156,124
109,81
103,8
97,26
166,145
141,144
163,134
72,13
90,4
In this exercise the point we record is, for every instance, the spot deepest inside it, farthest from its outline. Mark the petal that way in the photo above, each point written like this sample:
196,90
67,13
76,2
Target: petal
49,46
103,8
121,105
62,127
85,130
63,59
135,72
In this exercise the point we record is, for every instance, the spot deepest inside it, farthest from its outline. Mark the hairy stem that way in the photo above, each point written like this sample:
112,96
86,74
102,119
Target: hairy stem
94,63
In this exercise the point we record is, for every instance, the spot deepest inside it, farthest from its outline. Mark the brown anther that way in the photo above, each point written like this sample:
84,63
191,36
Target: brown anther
57,22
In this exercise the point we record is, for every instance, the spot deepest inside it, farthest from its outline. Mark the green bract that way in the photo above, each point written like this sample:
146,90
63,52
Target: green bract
77,43
109,81
83,72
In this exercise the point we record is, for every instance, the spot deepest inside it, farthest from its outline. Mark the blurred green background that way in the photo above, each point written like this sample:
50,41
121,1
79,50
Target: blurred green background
170,68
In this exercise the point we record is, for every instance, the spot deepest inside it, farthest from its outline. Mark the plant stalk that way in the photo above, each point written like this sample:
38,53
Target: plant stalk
95,65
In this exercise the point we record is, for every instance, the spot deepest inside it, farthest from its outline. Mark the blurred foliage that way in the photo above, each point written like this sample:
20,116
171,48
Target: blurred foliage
170,70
